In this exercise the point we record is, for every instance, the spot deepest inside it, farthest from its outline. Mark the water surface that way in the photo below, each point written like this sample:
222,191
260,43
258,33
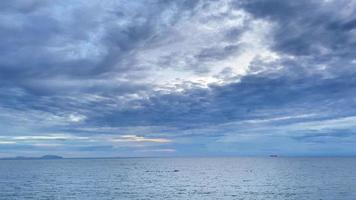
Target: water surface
179,178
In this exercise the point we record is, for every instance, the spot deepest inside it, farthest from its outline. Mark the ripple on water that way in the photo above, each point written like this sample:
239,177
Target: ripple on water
179,178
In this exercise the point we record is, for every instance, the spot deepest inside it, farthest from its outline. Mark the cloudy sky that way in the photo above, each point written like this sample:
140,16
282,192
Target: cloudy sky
177,78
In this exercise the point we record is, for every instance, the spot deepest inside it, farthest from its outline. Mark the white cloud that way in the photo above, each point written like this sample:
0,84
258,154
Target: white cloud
135,138
7,142
336,123
157,150
173,60
76,118
34,139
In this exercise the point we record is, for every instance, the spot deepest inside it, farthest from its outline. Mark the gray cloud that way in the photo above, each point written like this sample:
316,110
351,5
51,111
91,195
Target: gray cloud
308,27
185,70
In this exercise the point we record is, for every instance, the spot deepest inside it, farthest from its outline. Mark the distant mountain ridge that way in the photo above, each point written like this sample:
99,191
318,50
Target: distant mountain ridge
45,157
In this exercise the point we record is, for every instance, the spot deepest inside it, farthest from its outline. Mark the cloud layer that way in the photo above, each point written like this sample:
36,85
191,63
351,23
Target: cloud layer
230,77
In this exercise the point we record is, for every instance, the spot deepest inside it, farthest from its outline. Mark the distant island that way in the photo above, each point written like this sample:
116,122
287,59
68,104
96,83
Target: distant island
45,157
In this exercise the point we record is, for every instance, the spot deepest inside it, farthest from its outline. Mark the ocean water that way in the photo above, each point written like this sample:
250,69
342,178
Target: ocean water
179,178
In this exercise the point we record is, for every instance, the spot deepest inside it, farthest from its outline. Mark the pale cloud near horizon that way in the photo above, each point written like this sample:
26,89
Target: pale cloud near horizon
135,138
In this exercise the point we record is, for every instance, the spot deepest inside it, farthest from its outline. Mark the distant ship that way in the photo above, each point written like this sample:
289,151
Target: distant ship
273,156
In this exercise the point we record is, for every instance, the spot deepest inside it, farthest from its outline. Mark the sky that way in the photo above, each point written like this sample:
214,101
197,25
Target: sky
93,78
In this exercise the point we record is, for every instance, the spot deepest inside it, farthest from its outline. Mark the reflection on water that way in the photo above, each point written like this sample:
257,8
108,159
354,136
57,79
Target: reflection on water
179,178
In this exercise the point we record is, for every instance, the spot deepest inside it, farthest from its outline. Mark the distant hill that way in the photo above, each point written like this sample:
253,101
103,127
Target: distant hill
51,157
45,157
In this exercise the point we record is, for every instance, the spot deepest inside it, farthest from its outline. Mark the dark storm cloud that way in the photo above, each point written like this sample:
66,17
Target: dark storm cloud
303,28
42,48
39,42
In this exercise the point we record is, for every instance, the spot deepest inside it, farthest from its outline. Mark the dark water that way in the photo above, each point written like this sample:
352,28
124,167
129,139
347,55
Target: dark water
180,178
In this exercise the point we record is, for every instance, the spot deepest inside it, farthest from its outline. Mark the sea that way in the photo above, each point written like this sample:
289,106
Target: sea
250,178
